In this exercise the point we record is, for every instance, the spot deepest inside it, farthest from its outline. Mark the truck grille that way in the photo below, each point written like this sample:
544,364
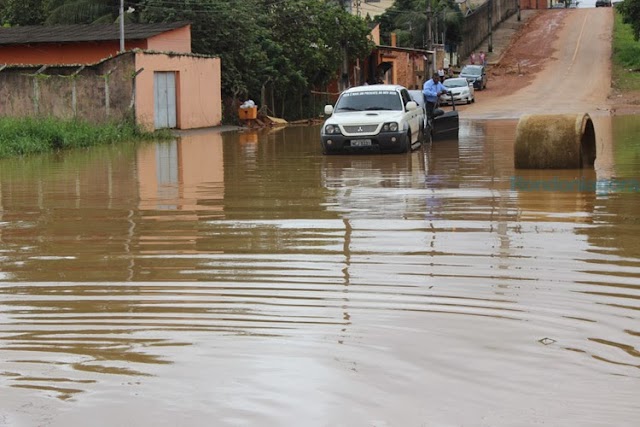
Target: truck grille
360,129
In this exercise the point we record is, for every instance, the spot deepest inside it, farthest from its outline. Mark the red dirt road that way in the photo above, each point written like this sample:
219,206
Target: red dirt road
559,62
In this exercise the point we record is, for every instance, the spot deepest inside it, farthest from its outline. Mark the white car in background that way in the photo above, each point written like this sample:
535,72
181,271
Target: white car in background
461,89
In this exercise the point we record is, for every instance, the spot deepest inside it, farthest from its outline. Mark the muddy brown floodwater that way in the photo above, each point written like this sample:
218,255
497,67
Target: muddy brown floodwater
246,279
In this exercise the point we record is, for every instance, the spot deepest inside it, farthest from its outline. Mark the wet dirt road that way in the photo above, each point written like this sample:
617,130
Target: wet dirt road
565,63
245,279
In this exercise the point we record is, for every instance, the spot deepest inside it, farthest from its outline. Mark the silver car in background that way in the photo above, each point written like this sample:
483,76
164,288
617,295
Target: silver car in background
461,90
476,74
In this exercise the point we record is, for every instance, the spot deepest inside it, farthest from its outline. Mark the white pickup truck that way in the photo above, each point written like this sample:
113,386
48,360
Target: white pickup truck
375,118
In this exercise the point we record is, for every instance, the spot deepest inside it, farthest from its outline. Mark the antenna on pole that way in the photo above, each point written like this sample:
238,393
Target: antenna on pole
121,25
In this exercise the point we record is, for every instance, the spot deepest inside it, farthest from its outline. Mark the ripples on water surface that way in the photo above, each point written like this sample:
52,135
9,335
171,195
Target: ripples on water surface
245,279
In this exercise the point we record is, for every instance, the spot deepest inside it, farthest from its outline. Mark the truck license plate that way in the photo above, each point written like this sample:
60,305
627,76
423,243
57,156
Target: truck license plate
360,142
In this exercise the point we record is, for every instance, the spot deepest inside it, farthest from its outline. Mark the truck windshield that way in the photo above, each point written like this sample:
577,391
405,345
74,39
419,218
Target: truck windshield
370,101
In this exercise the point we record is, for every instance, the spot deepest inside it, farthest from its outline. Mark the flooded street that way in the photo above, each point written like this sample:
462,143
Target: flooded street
244,279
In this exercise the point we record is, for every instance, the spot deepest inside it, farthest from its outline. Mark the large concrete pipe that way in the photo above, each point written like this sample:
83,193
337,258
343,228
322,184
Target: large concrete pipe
564,141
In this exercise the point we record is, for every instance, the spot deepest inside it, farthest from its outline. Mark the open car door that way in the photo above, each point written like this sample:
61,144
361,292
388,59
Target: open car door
445,123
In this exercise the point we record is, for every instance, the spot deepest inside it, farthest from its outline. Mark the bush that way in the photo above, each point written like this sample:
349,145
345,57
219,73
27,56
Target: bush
626,56
25,136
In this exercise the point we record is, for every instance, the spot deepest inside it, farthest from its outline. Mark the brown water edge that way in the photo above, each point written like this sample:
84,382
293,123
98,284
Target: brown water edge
245,279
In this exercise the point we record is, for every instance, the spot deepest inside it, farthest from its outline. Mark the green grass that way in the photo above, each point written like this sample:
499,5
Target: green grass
626,56
28,136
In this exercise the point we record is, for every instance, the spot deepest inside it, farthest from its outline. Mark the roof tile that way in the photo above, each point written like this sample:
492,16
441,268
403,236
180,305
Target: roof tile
82,32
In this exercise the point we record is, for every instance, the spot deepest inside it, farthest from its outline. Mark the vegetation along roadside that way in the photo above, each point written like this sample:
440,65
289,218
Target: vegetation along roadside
626,53
27,136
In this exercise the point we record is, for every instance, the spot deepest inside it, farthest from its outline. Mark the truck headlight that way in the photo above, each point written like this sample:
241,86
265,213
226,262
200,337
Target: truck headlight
331,129
390,127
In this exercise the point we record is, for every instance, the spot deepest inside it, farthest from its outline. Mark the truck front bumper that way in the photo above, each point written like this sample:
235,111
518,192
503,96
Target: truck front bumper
388,142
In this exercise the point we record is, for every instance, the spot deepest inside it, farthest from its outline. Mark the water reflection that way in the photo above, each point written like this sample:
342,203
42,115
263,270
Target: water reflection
626,146
605,145
279,282
177,175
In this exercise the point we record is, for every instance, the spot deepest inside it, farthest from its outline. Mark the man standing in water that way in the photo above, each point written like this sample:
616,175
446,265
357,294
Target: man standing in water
431,90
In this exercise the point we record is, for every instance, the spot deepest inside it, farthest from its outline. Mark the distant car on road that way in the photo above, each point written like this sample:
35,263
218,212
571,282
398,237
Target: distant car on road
475,74
461,90
603,3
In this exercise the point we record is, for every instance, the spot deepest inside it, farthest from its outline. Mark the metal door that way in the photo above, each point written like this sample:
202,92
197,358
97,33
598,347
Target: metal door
164,99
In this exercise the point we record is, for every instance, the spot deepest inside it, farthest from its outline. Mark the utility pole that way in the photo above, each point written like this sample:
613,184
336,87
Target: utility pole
429,41
435,30
121,25
357,73
344,73
490,4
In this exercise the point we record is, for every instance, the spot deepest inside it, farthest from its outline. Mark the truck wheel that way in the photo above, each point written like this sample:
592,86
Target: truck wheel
407,144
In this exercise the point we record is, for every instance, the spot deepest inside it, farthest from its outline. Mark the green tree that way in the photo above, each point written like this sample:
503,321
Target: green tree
630,10
316,34
22,12
229,29
82,11
408,19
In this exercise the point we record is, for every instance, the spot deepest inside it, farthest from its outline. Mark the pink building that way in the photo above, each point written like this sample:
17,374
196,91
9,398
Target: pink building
157,79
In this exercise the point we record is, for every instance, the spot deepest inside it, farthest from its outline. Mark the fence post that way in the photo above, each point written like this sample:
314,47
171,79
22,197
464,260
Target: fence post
36,90
107,100
132,104
74,96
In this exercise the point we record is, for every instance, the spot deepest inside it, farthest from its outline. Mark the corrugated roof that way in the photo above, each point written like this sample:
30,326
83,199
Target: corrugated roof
82,32
132,51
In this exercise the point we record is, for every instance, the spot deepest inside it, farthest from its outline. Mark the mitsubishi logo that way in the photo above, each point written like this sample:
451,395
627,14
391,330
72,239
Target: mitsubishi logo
359,128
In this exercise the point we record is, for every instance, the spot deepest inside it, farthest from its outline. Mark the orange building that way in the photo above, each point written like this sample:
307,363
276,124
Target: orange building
388,64
157,76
